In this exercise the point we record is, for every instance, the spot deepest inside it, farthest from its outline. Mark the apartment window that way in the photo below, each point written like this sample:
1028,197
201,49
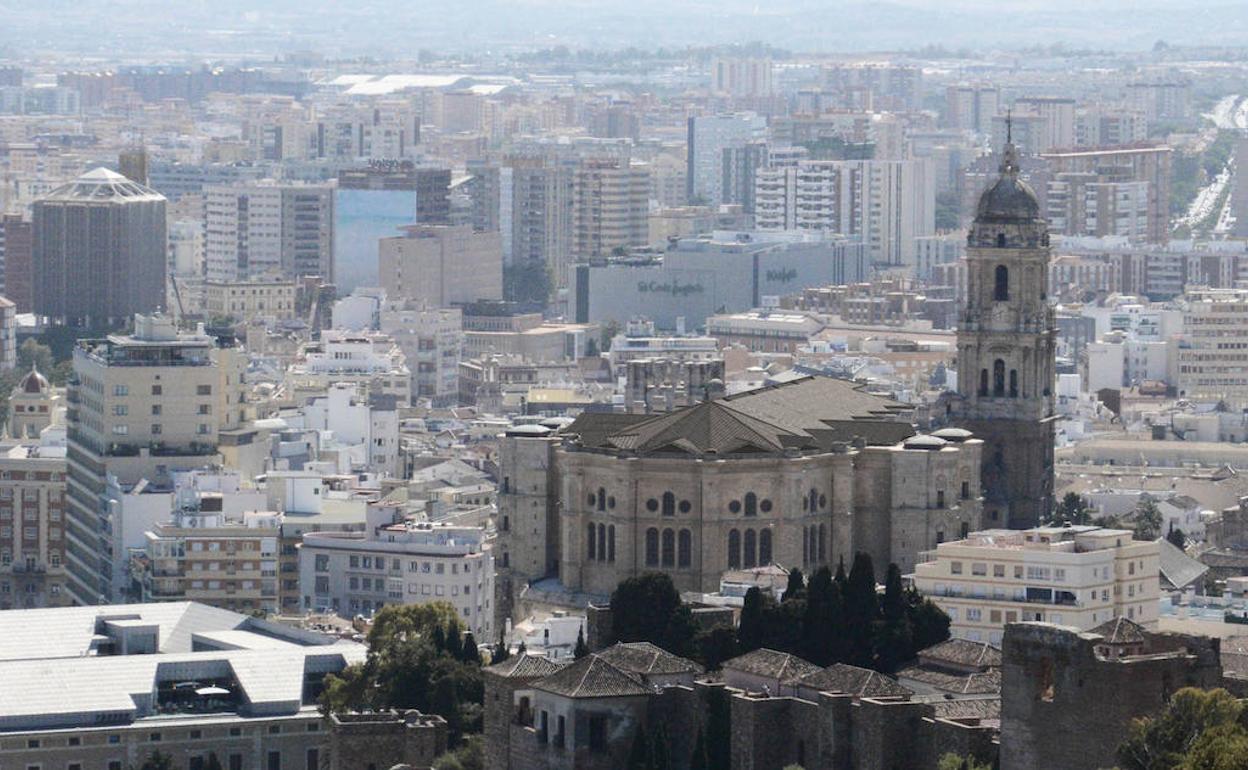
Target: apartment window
157,390
955,568
275,760
121,390
275,729
998,570
120,410
979,568
974,614
235,732
121,430
32,743
313,761
156,429
74,741
994,616
202,429
1018,572
203,390
154,737
205,409
114,739
196,734
966,489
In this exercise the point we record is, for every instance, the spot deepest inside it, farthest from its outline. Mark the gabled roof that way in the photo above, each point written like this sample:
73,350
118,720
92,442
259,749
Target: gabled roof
1120,630
852,680
525,666
979,683
772,664
963,652
593,677
810,413
645,658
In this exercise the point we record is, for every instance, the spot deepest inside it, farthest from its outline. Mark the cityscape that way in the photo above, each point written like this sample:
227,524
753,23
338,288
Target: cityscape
571,384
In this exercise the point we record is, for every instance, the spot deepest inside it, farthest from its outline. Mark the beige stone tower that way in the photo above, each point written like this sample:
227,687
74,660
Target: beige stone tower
1006,346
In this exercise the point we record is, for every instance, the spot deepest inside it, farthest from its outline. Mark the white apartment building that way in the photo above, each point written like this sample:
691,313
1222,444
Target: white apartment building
400,562
268,229
432,341
1212,355
361,358
888,204
709,136
369,426
1072,576
439,265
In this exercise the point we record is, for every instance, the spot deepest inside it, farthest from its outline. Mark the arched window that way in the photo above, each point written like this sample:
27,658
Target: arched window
1013,383
611,543
764,547
751,504
805,546
814,499
983,382
602,542
652,547
734,548
591,552
823,543
998,377
602,499
749,559
684,549
669,504
1001,283
669,548
1001,240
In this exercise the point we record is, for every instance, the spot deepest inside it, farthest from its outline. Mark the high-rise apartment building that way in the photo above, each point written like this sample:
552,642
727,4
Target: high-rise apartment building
140,407
1056,125
1210,351
888,204
708,137
972,107
1149,164
610,209
438,266
16,261
432,341
540,212
741,77
268,230
99,250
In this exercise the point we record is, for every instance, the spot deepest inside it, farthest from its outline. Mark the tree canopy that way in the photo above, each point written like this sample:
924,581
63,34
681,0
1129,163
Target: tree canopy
1199,730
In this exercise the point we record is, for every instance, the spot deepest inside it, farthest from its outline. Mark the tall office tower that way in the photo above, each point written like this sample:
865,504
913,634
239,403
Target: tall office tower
441,265
16,261
741,77
1149,164
140,407
887,203
610,209
98,250
541,212
709,136
971,107
1006,346
268,229
377,202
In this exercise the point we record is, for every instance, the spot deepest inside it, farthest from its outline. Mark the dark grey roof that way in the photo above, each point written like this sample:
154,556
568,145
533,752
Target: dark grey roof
772,664
1121,631
525,666
979,683
645,658
1010,199
963,652
595,427
593,677
852,680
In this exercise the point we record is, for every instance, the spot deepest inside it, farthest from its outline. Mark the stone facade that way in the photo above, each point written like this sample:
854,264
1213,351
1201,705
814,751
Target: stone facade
1006,347
1068,698
381,740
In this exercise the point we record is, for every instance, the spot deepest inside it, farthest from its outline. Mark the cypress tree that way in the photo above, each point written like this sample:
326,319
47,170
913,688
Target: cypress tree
501,653
796,586
581,649
861,610
469,652
750,631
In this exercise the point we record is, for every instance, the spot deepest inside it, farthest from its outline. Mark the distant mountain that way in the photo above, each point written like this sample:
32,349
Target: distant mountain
396,27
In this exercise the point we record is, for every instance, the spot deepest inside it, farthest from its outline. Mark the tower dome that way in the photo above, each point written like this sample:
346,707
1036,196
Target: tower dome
1010,199
33,382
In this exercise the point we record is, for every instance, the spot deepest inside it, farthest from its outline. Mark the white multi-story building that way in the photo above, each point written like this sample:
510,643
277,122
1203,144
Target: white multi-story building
1212,355
1072,576
709,136
268,229
400,562
888,204
432,341
369,426
361,358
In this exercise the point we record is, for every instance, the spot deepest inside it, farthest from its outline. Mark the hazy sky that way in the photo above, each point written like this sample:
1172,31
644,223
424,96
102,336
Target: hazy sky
398,27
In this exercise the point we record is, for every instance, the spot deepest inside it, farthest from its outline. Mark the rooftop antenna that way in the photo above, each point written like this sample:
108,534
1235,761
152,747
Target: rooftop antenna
1009,126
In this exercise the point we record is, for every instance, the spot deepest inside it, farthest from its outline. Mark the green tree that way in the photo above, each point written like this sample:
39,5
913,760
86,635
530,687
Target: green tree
751,628
469,756
715,646
34,354
1177,538
581,649
952,761
468,651
1224,747
1165,741
796,586
861,609
1147,520
822,626
928,623
894,643
501,652
157,761
1072,508
527,281
647,608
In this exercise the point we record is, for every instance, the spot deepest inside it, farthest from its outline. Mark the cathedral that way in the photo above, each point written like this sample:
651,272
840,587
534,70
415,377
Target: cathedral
1006,347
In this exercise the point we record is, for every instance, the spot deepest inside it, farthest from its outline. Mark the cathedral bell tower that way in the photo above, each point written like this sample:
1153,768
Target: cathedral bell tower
1006,347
